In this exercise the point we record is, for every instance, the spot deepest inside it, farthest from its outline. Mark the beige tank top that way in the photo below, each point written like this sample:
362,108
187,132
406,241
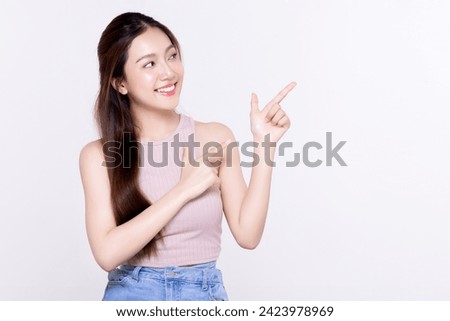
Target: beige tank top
193,235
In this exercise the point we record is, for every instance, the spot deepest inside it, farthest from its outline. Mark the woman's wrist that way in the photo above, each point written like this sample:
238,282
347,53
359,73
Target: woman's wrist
264,148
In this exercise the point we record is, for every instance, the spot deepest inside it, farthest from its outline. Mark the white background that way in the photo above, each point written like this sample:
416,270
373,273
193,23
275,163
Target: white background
374,73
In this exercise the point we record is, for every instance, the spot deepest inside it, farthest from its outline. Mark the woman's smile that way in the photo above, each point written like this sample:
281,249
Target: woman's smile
168,90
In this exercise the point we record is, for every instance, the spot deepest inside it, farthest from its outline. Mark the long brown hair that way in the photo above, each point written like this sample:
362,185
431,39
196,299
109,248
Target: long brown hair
114,118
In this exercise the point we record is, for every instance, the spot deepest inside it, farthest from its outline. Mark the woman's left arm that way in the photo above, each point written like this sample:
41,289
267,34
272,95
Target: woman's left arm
245,207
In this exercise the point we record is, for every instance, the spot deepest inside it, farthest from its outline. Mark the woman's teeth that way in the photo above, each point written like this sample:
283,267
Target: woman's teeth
166,89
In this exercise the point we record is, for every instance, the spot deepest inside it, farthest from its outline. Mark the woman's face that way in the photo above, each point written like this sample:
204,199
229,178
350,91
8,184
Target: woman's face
153,72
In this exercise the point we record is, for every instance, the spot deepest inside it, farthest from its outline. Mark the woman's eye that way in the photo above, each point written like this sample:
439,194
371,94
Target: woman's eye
150,64
172,57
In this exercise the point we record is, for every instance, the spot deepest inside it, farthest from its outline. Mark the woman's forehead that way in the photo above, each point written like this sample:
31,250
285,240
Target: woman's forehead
153,41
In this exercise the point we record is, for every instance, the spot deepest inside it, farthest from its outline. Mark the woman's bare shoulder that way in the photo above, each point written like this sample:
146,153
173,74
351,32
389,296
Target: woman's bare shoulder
92,151
213,131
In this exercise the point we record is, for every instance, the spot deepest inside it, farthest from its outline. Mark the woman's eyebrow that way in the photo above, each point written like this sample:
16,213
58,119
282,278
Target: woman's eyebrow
153,54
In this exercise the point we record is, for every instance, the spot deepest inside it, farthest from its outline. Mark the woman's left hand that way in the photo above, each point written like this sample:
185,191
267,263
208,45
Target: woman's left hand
271,119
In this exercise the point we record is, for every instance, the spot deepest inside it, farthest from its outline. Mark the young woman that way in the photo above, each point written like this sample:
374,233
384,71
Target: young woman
153,209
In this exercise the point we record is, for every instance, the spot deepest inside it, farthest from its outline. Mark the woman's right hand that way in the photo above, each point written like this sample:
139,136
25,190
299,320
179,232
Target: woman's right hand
198,176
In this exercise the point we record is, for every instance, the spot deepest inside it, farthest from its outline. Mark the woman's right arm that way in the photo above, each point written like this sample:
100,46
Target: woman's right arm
111,244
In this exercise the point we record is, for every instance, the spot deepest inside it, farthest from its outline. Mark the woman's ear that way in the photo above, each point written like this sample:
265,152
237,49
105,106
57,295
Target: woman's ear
119,85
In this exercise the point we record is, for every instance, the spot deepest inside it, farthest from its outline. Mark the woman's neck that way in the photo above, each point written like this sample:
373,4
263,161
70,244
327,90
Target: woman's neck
155,125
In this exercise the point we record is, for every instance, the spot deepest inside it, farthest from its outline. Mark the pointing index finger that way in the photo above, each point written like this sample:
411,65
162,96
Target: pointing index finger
215,159
283,93
220,147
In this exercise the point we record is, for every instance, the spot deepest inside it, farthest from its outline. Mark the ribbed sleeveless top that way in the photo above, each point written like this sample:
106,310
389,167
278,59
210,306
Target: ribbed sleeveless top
193,235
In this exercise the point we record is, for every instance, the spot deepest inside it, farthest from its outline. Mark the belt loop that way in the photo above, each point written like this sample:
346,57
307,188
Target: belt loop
205,280
135,273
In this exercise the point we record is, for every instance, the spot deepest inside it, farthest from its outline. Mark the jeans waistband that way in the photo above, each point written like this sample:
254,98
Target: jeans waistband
194,273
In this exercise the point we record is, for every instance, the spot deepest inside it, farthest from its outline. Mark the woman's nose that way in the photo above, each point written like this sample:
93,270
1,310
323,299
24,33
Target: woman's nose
166,71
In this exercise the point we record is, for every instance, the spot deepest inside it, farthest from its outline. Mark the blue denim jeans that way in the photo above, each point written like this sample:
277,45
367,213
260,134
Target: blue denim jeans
200,282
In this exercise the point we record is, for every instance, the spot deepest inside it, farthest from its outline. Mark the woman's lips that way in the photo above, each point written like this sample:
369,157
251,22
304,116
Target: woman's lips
168,90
